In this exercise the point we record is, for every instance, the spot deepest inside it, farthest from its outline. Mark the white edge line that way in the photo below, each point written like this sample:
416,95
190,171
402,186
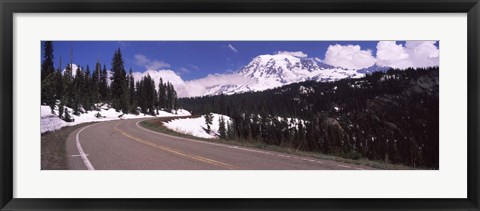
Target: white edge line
80,150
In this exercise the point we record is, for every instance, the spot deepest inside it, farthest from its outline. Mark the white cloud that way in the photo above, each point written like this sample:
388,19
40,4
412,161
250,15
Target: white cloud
232,48
197,87
349,56
413,54
142,60
298,54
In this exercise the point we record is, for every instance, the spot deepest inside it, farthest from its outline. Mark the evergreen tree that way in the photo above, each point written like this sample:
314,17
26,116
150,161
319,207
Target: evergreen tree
48,83
103,86
48,91
119,83
60,84
68,83
222,130
208,121
67,116
132,94
77,91
170,97
231,133
61,108
161,94
95,84
47,63
86,90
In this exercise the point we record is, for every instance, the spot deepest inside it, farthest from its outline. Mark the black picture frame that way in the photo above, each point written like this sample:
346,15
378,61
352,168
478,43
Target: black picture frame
9,7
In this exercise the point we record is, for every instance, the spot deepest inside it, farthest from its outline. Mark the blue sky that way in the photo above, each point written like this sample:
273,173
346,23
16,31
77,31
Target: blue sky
189,59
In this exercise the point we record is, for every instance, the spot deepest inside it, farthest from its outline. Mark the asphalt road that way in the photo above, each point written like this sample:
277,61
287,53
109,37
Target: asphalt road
125,145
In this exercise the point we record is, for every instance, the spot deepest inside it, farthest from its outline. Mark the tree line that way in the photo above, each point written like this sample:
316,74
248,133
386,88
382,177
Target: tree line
392,116
86,90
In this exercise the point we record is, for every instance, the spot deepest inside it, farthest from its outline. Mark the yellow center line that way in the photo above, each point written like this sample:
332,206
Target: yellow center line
194,157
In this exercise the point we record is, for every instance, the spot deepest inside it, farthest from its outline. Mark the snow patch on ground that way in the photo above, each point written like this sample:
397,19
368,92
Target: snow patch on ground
51,122
197,126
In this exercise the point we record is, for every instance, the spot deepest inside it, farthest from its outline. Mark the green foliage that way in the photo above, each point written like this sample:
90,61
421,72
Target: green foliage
147,95
48,59
61,108
119,83
208,121
48,91
222,130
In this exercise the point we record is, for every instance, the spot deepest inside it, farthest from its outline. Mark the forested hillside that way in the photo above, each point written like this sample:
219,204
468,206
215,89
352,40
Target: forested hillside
84,89
391,116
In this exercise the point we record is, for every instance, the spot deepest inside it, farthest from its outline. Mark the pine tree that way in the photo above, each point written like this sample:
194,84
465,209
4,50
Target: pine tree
150,94
103,86
48,82
77,91
47,63
86,90
161,94
231,133
132,94
95,84
60,84
61,108
222,130
68,83
67,116
119,83
48,91
208,121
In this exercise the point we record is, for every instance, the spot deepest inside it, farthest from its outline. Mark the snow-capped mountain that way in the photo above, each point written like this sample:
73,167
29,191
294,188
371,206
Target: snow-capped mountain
270,71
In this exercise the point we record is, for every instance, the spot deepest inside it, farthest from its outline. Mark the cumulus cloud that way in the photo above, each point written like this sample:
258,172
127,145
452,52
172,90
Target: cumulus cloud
413,54
349,56
232,48
298,54
142,60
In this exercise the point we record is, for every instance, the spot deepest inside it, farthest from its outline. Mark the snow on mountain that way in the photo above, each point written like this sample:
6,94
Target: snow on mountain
51,122
74,70
374,68
271,71
197,126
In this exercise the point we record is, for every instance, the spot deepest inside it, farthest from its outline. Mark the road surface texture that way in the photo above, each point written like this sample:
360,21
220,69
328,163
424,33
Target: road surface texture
125,145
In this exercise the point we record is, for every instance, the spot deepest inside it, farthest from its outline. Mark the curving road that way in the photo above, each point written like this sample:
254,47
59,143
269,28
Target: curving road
125,145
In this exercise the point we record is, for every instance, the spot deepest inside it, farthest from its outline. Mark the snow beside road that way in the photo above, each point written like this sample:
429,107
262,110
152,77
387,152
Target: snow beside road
197,126
51,122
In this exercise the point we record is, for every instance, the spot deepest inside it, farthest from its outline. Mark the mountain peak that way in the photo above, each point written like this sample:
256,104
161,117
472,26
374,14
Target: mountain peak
274,70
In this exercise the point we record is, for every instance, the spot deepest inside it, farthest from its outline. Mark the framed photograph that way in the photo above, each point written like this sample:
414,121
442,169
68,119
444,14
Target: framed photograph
228,105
